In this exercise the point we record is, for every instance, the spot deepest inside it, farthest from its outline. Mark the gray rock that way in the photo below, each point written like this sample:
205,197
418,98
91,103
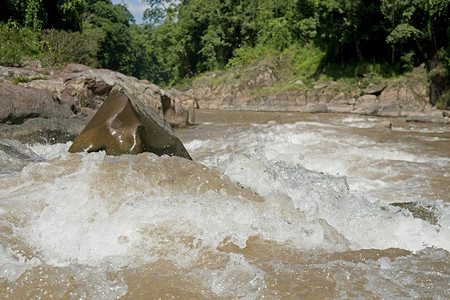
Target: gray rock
431,117
389,110
78,87
446,113
321,85
375,89
367,105
383,124
419,211
18,103
14,156
316,108
340,108
44,131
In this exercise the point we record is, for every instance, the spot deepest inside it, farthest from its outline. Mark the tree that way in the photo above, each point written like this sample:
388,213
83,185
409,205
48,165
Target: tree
65,14
417,27
346,26
42,14
109,24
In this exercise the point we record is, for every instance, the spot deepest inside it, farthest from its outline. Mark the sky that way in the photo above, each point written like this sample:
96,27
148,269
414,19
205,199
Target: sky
135,7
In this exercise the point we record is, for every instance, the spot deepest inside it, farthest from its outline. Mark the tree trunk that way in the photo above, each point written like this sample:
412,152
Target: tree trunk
392,56
358,51
424,55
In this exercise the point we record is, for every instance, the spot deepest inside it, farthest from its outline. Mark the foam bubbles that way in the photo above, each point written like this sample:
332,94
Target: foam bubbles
256,207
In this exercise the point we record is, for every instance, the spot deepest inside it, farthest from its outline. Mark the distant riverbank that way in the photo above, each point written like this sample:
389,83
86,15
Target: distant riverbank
45,105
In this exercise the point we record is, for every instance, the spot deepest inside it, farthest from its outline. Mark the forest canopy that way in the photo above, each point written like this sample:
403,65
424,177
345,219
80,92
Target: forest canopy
184,38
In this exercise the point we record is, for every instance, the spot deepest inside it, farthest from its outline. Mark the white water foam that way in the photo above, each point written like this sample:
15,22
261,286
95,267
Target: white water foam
93,210
383,171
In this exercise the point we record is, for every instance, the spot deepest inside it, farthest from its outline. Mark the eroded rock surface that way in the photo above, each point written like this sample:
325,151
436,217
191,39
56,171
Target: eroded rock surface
43,105
123,125
18,103
407,96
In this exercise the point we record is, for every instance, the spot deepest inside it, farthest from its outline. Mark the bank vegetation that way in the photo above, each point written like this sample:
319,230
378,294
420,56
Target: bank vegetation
181,40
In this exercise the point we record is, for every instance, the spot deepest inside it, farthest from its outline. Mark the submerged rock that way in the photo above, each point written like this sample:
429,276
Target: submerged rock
424,212
44,131
14,156
123,125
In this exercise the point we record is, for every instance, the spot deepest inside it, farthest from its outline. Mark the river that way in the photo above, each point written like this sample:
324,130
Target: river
274,205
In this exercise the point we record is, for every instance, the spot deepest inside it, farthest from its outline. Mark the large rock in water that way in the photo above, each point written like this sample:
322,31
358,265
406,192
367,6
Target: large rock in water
123,125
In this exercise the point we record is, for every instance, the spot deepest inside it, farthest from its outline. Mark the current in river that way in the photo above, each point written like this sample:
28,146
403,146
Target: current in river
274,205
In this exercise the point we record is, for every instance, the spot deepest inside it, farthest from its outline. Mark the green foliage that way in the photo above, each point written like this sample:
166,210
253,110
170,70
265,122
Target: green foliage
109,26
277,89
52,47
20,79
407,61
181,39
306,61
35,14
402,33
23,79
69,15
18,43
62,47
421,26
195,36
246,55
277,35
444,101
43,14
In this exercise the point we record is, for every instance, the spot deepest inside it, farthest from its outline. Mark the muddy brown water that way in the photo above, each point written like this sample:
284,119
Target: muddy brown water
275,205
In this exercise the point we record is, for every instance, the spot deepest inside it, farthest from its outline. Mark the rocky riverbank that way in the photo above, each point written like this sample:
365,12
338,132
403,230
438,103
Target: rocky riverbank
49,106
263,87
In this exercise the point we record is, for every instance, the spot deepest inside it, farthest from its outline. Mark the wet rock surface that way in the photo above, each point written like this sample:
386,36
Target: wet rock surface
14,156
419,211
44,131
123,125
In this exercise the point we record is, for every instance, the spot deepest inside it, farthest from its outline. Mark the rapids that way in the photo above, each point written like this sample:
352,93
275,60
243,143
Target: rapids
274,205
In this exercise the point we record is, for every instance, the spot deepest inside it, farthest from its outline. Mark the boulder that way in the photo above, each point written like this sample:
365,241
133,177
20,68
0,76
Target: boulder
435,116
389,109
44,131
367,105
315,108
18,103
375,89
123,125
320,85
79,87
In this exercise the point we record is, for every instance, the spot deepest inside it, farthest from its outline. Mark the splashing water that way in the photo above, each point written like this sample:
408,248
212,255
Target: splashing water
261,212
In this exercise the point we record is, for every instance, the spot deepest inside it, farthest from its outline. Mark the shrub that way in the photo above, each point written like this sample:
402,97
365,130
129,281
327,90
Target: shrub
17,44
54,48
306,60
62,47
444,100
247,54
